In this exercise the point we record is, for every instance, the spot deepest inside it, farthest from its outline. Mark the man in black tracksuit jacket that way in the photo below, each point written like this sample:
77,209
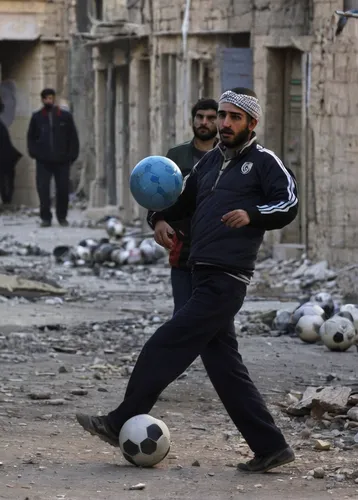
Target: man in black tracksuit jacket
235,193
52,141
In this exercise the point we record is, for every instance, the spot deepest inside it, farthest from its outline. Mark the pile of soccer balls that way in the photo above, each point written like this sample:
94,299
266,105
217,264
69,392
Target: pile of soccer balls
319,319
118,249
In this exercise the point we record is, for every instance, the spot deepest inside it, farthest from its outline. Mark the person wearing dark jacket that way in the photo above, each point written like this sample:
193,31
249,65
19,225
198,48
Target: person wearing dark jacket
234,194
186,155
9,156
52,141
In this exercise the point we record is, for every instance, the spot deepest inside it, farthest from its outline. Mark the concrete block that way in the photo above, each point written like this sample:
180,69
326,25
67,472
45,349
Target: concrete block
286,251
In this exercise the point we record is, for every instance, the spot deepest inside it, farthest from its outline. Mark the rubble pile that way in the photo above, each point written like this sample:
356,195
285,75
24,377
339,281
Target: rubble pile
329,415
293,278
9,246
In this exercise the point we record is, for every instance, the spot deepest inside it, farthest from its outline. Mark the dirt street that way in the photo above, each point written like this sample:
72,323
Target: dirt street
78,352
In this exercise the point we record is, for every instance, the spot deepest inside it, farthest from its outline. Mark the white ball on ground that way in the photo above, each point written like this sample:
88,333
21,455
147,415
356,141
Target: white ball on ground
338,333
151,251
129,243
83,253
351,309
308,327
307,309
325,300
144,440
115,228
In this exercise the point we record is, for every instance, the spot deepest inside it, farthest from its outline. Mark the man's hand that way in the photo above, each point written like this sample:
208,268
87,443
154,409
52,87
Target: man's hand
236,219
163,234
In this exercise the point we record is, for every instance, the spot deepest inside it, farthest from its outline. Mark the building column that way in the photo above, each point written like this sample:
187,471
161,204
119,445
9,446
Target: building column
98,193
139,122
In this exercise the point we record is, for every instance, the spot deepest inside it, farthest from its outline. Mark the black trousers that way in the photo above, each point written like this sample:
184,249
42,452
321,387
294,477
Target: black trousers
61,174
202,327
182,286
7,182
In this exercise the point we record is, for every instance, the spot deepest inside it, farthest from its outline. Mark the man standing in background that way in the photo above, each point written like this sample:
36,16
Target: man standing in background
52,140
9,156
186,155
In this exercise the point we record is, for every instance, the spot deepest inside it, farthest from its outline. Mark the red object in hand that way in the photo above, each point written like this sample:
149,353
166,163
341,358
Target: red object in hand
174,253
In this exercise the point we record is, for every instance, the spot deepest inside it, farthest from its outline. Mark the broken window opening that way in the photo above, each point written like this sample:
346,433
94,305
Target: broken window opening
98,9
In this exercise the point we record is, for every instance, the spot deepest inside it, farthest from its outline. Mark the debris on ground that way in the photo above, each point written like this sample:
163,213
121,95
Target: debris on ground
292,277
9,246
323,399
15,286
137,487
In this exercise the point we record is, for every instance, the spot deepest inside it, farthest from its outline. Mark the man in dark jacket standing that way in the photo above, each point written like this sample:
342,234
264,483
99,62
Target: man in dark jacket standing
52,141
235,193
186,155
9,156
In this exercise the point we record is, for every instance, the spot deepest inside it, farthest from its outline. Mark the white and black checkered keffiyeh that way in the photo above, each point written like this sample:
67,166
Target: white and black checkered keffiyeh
246,102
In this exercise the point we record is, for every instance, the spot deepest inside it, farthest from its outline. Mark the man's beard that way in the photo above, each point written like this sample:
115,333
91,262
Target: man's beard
235,141
204,134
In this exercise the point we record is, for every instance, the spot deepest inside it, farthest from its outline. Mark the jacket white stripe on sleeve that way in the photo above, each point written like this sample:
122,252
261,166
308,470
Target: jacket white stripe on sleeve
291,201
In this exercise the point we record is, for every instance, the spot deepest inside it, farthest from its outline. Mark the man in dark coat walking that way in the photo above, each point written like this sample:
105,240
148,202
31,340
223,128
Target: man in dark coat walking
52,141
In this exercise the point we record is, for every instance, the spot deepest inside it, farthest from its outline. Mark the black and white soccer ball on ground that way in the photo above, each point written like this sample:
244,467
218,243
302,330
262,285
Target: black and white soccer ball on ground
307,328
350,311
115,228
144,440
307,309
325,300
338,333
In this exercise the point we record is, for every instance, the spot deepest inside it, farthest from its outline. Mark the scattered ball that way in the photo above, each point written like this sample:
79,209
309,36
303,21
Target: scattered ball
351,309
308,328
307,309
115,228
338,334
324,300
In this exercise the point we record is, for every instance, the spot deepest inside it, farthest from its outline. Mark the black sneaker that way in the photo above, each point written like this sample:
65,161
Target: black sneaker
263,464
98,426
45,223
63,222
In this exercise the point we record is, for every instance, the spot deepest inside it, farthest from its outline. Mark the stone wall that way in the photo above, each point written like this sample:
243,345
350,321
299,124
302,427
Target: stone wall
332,185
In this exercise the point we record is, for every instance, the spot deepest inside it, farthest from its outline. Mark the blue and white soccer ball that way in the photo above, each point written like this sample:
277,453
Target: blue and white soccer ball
156,183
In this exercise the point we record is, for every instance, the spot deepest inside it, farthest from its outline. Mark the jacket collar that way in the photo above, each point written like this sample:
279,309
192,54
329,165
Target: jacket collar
229,154
56,110
216,142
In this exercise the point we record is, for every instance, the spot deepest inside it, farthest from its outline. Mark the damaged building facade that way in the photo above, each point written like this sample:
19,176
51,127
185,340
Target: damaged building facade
153,59
33,54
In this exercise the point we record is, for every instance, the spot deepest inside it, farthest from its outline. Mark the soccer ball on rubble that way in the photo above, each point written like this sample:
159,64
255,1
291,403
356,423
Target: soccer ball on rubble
308,327
156,183
324,300
144,440
307,309
350,311
115,228
338,333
